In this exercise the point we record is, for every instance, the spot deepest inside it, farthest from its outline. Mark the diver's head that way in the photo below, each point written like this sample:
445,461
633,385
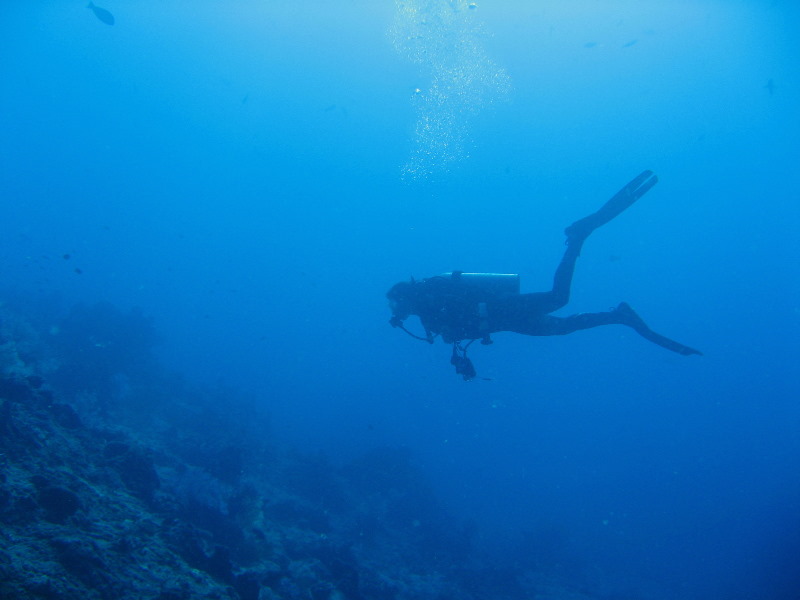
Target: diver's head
402,300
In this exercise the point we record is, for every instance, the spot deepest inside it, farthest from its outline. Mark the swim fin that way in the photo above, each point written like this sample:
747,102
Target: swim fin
629,317
635,189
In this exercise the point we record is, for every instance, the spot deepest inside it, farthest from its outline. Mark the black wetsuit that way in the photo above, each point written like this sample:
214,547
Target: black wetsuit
449,307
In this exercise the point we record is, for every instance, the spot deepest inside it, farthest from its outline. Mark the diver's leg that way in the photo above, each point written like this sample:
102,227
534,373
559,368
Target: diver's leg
541,303
635,189
580,230
622,315
577,233
549,325
562,280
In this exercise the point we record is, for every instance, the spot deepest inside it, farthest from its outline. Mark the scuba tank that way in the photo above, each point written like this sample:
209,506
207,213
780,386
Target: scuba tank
486,285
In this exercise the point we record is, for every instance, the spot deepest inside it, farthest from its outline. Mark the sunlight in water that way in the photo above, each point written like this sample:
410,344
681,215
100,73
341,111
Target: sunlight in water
444,37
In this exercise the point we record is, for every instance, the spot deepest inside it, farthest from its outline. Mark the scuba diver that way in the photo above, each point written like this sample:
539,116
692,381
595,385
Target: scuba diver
464,307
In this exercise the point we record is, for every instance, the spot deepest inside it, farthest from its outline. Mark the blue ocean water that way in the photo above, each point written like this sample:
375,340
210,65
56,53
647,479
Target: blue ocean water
255,175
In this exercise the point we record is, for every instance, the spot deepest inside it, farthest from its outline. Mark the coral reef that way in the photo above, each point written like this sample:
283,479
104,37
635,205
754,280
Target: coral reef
110,495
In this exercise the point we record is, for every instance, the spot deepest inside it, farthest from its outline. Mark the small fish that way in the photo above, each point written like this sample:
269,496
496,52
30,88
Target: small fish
590,44
770,87
629,44
101,13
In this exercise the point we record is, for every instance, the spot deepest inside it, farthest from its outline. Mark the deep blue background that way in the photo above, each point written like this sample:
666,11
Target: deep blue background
235,170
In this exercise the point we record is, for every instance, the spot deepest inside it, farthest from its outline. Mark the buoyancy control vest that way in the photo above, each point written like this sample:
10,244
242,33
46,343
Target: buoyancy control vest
462,303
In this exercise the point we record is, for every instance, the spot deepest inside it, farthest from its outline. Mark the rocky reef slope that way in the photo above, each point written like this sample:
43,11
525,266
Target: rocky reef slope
121,481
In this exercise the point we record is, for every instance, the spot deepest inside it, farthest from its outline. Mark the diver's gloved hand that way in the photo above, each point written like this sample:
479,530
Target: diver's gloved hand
462,364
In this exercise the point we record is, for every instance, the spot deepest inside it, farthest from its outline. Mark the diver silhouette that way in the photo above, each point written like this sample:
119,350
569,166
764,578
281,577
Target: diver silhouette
464,307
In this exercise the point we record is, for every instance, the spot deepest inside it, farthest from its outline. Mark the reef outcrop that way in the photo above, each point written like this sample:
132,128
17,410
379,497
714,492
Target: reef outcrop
120,481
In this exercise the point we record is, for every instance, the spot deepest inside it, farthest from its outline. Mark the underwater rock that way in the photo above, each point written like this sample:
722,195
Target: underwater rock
196,548
343,568
81,557
66,416
323,590
252,584
219,565
138,474
24,508
115,449
35,381
6,420
15,390
300,513
59,503
135,469
248,585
